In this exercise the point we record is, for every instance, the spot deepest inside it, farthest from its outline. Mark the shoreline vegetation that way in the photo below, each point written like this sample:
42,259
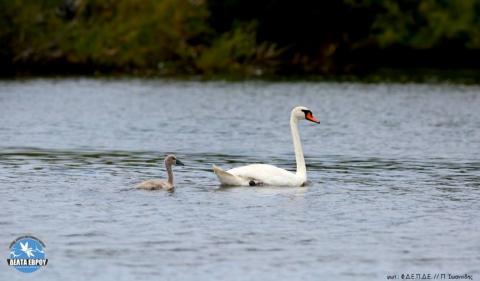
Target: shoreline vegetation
346,40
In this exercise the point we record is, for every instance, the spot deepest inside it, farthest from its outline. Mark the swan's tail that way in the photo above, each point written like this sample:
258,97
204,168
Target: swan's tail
226,178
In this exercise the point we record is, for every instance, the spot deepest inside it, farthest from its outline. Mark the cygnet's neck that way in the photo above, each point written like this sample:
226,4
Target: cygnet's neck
169,173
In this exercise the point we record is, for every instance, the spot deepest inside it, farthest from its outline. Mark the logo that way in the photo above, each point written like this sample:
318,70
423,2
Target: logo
27,254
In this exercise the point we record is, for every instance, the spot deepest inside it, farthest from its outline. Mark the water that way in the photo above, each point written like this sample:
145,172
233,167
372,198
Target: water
394,180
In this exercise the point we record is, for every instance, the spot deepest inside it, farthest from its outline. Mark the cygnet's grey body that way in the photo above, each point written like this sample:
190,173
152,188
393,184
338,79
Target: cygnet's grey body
155,184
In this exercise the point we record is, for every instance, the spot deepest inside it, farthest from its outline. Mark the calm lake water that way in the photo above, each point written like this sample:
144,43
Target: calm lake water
394,180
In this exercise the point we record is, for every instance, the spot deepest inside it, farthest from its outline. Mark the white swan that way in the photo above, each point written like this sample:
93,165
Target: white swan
262,174
154,184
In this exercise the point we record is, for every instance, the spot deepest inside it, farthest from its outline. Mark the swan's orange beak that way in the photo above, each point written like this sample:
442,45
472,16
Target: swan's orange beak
310,117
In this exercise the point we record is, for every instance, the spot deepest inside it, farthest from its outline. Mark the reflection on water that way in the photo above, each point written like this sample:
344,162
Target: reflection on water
394,179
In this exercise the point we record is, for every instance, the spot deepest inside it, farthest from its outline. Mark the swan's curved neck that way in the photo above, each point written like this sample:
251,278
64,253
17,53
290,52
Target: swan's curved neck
297,146
169,173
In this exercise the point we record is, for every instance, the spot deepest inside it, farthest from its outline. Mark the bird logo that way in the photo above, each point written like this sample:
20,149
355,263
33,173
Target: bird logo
27,254
27,250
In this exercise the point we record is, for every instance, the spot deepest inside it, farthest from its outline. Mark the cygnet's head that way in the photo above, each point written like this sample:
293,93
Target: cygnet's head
172,160
301,112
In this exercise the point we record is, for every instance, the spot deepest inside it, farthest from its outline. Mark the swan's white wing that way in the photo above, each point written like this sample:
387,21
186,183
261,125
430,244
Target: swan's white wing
267,174
226,178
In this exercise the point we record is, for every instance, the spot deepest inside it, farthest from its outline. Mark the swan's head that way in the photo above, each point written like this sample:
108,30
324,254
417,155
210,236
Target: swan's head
301,112
172,160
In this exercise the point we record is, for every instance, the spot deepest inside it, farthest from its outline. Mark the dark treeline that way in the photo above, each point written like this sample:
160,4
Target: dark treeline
238,37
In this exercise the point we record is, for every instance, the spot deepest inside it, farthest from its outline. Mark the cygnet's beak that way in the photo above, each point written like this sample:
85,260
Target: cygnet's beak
179,163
